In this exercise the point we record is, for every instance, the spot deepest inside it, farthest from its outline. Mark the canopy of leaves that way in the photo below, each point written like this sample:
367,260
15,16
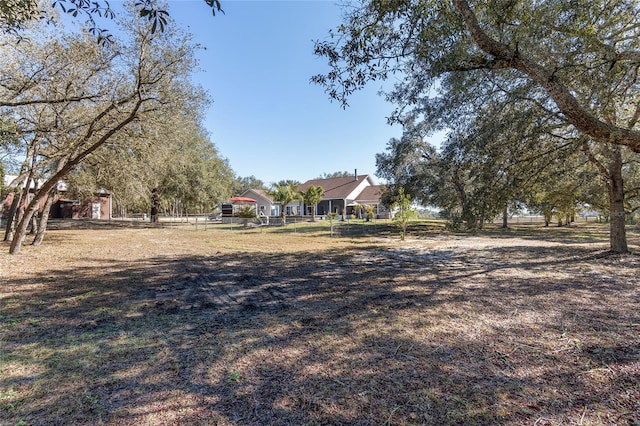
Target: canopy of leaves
404,211
15,15
313,195
578,63
184,166
334,175
241,184
287,183
284,193
77,103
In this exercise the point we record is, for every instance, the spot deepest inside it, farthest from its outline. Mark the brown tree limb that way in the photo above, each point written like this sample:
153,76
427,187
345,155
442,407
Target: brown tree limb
577,115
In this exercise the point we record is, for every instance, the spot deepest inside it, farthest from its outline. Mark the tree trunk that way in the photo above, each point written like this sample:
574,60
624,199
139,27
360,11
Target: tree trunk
466,215
34,224
548,215
155,202
23,217
34,218
18,198
505,218
44,218
617,232
11,216
283,216
21,230
481,217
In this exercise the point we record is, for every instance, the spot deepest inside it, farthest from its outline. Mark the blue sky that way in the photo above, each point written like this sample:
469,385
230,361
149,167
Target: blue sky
267,119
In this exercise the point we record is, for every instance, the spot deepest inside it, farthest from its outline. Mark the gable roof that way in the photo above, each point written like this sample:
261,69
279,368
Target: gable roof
337,188
371,194
258,193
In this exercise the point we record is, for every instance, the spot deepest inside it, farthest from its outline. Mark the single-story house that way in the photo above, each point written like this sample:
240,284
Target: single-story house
265,206
346,195
342,195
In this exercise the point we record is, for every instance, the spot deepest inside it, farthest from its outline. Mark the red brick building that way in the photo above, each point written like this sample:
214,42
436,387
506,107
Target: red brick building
97,206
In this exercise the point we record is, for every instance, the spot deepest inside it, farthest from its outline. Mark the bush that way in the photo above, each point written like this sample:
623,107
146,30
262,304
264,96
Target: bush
247,212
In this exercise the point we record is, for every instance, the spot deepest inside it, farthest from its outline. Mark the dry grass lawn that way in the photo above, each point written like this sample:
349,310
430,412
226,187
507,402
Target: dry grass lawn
169,325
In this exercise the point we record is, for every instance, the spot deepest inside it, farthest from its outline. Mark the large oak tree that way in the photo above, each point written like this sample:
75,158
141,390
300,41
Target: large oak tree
575,65
564,49
73,97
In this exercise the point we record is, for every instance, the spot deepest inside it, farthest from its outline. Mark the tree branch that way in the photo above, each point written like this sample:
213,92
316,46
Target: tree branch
604,173
48,101
577,115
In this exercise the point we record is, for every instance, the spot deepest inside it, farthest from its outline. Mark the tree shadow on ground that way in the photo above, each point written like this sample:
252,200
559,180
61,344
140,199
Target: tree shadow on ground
515,335
582,233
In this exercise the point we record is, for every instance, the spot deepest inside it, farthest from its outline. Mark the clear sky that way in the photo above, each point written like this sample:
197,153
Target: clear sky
267,119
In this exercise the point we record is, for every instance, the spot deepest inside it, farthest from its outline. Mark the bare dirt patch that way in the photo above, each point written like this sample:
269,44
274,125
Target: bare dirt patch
174,326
